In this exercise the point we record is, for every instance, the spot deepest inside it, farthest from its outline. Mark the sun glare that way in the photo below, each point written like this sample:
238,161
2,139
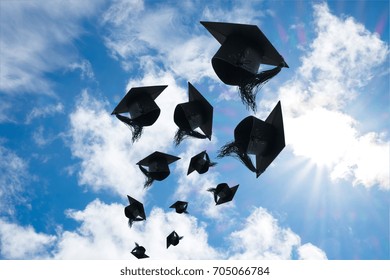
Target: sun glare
321,135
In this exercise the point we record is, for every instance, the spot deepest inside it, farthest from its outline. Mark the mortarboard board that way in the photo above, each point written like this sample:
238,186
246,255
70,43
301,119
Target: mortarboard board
201,163
180,206
139,103
173,239
158,166
139,252
243,48
134,211
196,113
223,193
264,139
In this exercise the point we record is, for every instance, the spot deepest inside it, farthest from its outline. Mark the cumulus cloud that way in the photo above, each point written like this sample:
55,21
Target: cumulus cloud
262,238
310,252
104,234
103,144
18,242
341,60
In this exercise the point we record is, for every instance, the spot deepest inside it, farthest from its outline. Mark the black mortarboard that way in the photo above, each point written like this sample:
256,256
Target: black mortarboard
201,163
188,116
134,211
139,252
173,239
223,193
264,139
243,48
139,103
158,166
180,206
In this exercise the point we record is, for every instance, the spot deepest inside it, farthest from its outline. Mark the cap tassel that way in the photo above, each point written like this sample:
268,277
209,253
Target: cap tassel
214,191
209,162
211,190
249,87
135,128
149,180
231,149
181,134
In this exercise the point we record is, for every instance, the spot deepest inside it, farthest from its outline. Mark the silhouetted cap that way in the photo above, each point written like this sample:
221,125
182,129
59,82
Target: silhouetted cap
223,193
134,211
243,48
180,206
264,139
201,163
196,113
158,166
139,252
173,239
139,103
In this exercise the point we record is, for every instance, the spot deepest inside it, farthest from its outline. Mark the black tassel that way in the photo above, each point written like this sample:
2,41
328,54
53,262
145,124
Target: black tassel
250,87
211,190
130,223
149,180
181,134
231,149
135,128
209,162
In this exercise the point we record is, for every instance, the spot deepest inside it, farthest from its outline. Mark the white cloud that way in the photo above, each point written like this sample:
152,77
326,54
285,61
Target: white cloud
85,68
36,39
310,252
194,187
341,60
104,146
103,143
17,242
13,176
122,10
104,234
370,166
42,138
4,112
44,112
240,12
181,46
262,238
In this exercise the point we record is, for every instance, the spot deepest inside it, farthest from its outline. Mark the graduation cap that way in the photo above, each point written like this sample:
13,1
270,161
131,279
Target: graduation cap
173,239
196,113
201,163
264,139
180,206
134,211
223,193
139,252
139,103
158,168
243,48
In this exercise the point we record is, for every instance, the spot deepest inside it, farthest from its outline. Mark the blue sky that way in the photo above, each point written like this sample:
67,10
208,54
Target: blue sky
67,164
